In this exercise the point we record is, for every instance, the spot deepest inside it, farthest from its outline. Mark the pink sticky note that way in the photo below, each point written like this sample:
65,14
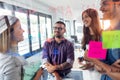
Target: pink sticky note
96,50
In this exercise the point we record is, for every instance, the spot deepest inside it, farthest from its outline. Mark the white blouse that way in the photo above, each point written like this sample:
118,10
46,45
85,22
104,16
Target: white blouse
10,67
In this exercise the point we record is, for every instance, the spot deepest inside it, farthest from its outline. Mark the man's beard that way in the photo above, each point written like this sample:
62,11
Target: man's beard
111,15
58,36
107,17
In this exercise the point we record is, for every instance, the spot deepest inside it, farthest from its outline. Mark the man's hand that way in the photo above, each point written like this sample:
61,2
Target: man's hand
116,66
116,63
50,68
99,69
57,76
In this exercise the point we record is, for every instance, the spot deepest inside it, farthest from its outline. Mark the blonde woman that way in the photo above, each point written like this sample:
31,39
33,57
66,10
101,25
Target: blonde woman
11,64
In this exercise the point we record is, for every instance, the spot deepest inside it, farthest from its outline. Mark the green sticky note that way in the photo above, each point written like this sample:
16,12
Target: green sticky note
111,39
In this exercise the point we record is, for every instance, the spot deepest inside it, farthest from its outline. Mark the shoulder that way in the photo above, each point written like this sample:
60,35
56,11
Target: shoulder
20,60
67,40
69,43
6,63
4,58
49,40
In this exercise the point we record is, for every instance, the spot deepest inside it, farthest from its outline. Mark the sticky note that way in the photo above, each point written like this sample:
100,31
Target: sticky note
96,51
111,39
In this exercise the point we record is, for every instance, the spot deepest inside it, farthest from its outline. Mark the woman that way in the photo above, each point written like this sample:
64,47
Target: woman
91,32
11,64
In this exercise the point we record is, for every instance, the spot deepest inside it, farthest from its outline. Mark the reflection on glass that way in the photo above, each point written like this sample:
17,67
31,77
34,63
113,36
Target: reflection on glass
23,47
68,30
79,30
34,32
48,25
43,30
5,12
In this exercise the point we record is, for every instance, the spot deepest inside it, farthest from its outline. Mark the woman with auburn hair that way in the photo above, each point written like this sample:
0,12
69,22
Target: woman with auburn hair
91,32
91,27
11,63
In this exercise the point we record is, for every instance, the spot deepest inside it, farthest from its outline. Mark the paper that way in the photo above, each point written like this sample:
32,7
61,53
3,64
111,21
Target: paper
96,50
111,39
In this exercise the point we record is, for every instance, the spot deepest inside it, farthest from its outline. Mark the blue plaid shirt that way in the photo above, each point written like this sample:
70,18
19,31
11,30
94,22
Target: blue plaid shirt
112,56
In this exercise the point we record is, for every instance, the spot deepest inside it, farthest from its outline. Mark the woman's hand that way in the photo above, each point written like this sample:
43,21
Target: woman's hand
86,66
86,56
80,60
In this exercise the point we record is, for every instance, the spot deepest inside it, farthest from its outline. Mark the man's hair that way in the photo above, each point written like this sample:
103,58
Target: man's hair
115,0
60,22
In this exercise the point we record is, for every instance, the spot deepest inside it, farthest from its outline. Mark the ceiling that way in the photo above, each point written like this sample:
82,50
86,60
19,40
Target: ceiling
73,8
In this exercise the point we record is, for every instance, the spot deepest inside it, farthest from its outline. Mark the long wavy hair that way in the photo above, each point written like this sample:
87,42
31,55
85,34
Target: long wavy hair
95,26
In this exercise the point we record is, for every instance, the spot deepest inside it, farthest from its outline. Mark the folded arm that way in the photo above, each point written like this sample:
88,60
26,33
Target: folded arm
112,71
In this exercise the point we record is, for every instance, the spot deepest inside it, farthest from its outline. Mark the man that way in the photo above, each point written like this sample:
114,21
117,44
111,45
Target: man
58,54
111,66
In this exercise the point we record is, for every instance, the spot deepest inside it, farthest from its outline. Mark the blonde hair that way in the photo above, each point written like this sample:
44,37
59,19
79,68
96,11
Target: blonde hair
4,41
5,36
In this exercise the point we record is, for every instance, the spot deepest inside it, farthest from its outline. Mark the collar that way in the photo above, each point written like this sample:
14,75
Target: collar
13,52
53,40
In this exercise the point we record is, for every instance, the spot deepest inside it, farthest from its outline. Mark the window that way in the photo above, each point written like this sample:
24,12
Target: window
37,28
79,30
5,12
68,29
34,32
23,47
43,30
49,30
